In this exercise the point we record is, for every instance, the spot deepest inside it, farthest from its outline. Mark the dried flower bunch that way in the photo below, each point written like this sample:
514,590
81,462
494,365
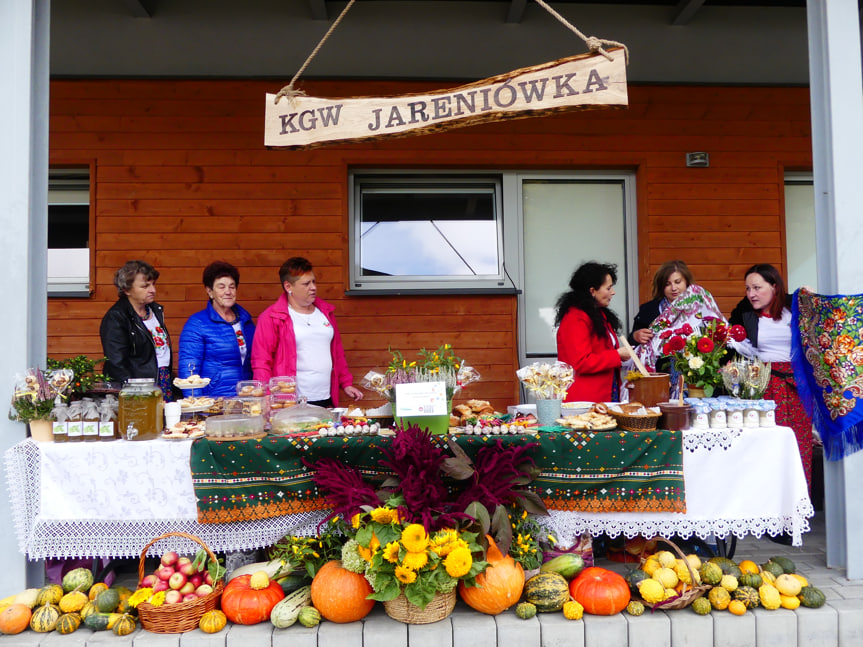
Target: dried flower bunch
547,380
35,393
440,365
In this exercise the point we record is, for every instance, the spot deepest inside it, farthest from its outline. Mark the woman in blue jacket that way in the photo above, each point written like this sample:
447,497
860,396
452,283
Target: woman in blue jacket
217,341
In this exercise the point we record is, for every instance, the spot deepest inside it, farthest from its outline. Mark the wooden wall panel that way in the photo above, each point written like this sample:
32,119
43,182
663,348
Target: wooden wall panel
182,178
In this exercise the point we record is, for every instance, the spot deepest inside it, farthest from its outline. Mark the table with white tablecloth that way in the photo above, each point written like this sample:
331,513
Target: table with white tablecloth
111,499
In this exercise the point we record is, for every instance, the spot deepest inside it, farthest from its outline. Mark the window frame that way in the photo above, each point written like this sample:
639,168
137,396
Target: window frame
58,286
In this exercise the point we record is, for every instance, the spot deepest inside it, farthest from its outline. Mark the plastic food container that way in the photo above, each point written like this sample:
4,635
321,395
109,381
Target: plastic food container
767,413
301,418
254,388
245,405
283,384
233,426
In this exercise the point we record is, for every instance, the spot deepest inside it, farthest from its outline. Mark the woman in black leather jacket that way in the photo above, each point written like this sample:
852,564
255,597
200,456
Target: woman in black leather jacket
134,337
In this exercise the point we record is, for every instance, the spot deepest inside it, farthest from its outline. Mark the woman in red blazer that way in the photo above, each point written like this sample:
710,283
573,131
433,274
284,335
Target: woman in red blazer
587,334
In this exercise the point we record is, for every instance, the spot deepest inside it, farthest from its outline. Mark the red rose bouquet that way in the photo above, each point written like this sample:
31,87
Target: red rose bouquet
697,353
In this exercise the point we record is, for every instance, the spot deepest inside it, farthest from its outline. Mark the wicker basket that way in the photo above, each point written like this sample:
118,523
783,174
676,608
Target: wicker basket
688,595
628,420
184,616
439,608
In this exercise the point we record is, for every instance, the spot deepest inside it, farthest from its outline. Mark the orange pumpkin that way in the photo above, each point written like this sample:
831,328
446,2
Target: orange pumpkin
498,587
601,592
339,594
14,619
244,605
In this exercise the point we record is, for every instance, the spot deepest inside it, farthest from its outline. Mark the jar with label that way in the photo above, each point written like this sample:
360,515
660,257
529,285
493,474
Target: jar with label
140,412
750,413
107,419
73,429
60,426
734,414
718,418
767,413
90,420
700,415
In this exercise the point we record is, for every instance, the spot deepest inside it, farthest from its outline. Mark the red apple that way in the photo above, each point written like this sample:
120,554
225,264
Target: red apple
148,582
204,589
186,568
208,578
170,558
165,572
190,597
173,597
177,581
197,579
161,585
187,588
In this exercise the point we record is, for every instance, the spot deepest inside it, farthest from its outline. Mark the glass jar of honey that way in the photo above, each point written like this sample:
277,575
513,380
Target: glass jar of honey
140,413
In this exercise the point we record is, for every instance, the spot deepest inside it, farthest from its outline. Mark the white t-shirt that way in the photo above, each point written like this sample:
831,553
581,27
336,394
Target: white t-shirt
241,340
313,334
160,338
774,338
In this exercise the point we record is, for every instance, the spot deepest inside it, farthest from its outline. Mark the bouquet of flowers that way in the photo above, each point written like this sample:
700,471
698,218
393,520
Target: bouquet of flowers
746,378
697,352
441,365
35,393
424,527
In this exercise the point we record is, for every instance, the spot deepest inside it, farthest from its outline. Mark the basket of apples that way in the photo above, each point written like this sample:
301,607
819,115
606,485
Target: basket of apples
181,590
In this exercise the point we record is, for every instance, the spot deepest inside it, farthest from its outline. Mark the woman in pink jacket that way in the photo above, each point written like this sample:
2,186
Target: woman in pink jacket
297,335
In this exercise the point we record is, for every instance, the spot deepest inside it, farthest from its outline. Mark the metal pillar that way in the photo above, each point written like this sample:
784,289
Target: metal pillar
836,90
24,34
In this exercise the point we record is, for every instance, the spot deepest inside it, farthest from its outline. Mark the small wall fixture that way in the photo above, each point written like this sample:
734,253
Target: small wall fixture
697,159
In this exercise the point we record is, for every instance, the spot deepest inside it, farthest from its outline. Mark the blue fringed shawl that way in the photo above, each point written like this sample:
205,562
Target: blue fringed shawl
827,356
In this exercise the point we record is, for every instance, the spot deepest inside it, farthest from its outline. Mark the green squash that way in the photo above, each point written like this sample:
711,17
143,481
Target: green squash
309,617
711,573
79,579
68,623
787,565
548,591
772,567
124,626
44,618
525,610
50,594
747,595
107,601
750,579
701,606
812,597
568,565
97,621
728,566
633,577
635,608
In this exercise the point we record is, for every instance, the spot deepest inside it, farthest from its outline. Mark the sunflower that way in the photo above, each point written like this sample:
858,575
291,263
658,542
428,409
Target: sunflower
391,552
385,515
355,521
415,538
365,553
458,562
415,561
405,575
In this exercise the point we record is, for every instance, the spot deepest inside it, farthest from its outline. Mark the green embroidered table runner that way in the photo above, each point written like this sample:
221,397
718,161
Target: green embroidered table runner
602,471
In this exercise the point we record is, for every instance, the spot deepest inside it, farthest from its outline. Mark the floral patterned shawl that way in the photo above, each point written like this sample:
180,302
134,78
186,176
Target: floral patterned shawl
827,357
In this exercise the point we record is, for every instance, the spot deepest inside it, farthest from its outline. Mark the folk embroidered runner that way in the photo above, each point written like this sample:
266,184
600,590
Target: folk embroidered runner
580,471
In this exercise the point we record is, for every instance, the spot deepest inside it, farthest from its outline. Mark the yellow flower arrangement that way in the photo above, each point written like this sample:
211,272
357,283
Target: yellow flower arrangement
401,557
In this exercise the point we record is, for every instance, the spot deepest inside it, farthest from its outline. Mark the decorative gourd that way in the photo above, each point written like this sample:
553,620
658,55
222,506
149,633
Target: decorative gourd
788,585
710,573
772,567
747,595
635,608
50,594
728,566
573,610
719,598
600,591
28,597
748,566
79,579
548,591
498,587
633,577
212,622
87,609
339,594
729,583
96,589
789,601
44,618
309,617
73,602
14,619
769,596
97,621
125,607
787,565
285,613
651,590
701,606
736,607
525,610
750,579
259,580
812,597
107,601
244,605
68,623
569,565
124,626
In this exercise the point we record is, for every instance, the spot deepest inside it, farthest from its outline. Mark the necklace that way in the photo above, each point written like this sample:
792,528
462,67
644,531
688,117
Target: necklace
305,318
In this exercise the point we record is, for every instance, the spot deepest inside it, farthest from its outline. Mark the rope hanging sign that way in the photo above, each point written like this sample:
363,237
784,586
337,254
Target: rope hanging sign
586,81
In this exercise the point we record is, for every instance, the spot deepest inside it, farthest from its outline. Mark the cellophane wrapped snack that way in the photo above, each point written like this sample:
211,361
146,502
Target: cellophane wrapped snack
547,380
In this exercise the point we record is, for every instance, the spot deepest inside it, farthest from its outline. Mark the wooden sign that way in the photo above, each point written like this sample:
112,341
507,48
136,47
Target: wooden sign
577,82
